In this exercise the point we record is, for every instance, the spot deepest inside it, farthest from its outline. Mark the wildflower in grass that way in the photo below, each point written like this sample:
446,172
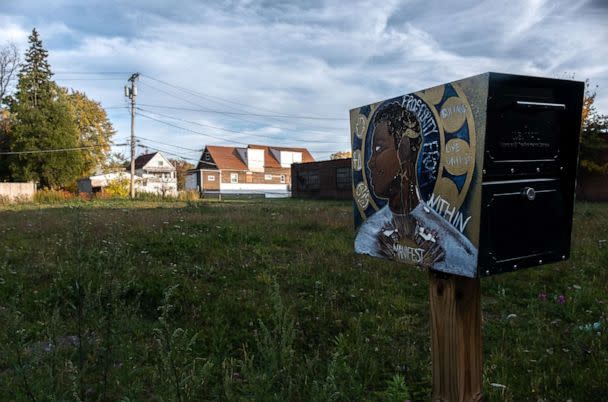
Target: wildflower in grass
561,299
542,296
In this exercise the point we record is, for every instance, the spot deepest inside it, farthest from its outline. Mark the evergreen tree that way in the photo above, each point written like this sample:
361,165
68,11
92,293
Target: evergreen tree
35,74
42,119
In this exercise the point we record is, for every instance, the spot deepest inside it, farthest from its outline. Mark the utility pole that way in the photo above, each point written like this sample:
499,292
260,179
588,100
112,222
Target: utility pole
131,93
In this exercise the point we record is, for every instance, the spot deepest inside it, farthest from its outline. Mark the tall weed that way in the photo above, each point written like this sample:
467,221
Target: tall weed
267,375
182,373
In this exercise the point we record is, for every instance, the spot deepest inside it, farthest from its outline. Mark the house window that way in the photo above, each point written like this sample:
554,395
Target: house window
282,178
343,178
234,178
160,163
267,177
207,157
210,178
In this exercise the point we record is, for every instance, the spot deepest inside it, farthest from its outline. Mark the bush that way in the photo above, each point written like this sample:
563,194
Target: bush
118,188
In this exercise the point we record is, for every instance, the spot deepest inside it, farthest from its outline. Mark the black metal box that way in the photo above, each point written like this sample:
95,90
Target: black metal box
471,177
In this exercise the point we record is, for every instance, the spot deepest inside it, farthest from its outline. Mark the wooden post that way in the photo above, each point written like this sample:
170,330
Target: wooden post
456,338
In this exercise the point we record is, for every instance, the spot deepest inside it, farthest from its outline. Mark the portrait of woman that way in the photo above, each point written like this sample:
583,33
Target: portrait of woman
393,231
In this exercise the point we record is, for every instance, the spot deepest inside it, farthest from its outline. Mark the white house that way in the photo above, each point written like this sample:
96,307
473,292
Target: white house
157,173
153,174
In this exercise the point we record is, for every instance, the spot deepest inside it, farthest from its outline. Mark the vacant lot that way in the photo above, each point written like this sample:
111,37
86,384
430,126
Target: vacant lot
264,300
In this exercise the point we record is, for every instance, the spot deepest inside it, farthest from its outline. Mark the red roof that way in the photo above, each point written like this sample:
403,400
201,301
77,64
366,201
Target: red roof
227,158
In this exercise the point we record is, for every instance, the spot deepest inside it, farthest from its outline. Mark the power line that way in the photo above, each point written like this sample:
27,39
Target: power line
260,115
41,151
187,129
194,103
233,115
235,131
91,72
168,153
189,121
89,79
279,115
171,145
217,138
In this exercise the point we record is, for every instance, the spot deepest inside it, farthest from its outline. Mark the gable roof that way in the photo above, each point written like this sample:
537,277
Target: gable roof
232,158
142,160
226,158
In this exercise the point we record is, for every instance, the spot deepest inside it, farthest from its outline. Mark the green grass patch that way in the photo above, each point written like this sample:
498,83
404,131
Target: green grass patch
264,300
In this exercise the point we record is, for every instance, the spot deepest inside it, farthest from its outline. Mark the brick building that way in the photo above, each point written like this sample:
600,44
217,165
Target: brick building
330,179
256,169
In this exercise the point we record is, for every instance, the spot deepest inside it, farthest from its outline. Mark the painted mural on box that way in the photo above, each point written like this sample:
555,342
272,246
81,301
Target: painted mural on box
413,161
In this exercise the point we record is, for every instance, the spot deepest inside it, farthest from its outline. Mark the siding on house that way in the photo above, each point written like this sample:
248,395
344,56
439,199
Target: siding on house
153,174
210,180
258,177
157,173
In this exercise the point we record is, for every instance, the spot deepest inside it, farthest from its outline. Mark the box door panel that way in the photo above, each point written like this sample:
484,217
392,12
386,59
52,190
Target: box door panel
524,224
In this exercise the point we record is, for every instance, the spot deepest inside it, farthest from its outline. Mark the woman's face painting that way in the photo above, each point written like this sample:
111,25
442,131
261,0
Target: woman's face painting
384,162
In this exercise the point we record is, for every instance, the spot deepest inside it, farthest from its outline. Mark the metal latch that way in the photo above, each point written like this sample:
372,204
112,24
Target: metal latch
529,193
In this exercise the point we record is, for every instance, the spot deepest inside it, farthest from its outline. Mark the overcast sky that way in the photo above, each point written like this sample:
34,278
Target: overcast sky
240,64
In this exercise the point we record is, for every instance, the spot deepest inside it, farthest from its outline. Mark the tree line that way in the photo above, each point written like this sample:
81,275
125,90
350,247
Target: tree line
38,115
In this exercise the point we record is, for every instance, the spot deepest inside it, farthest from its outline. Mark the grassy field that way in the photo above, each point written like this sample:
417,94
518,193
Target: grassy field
264,300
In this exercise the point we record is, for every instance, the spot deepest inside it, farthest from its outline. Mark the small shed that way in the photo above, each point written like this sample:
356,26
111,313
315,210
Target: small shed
96,183
330,179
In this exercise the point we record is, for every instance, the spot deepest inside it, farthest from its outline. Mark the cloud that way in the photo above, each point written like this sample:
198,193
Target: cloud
315,58
12,32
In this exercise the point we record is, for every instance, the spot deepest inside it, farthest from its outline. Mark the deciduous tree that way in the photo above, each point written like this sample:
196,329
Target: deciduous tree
115,162
9,65
95,129
181,170
594,137
341,155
